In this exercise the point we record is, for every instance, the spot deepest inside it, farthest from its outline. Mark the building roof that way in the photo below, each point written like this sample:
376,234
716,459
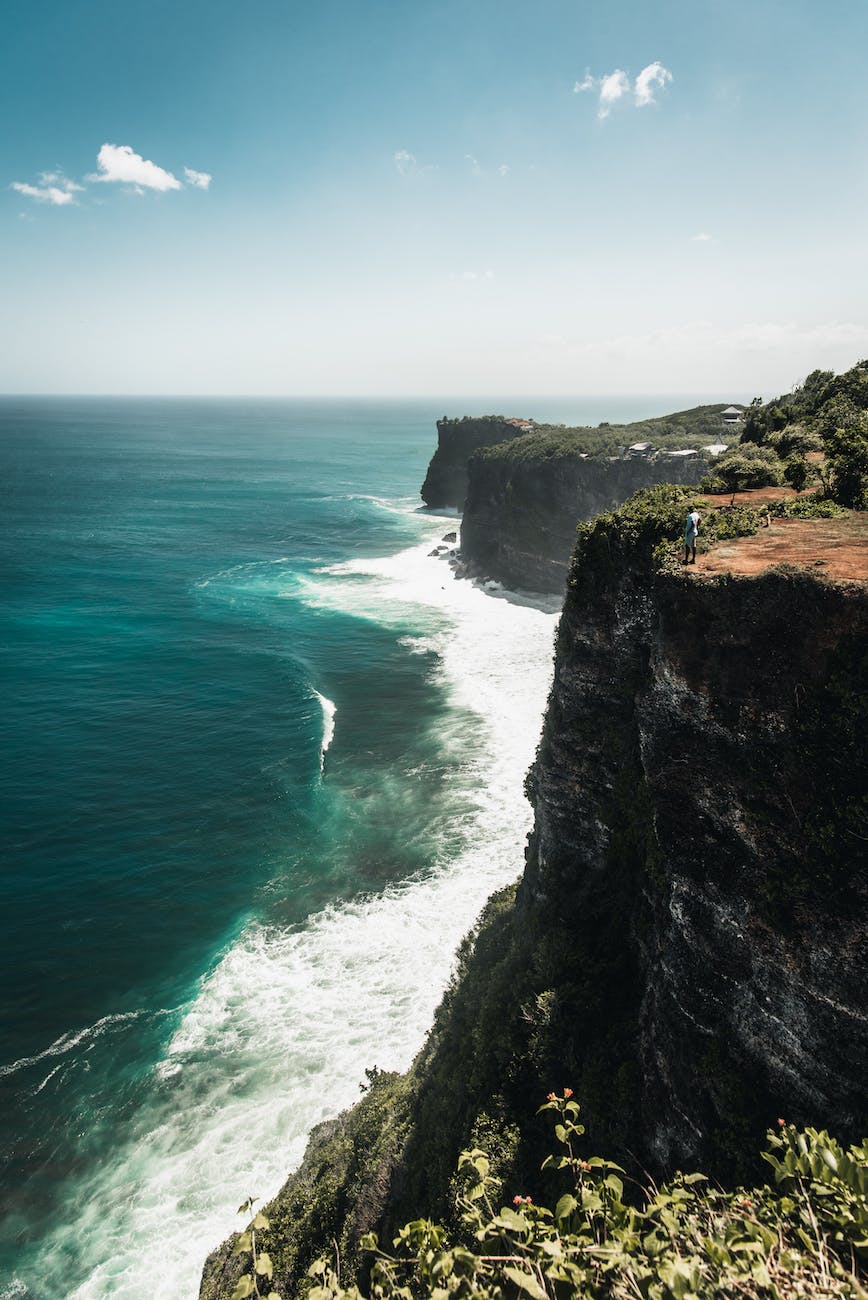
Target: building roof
733,410
716,448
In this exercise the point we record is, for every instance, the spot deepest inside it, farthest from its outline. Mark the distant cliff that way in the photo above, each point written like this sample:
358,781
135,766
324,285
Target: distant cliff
446,481
686,946
520,513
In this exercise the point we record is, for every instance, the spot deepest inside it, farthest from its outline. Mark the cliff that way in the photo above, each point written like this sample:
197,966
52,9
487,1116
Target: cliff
520,514
686,946
446,480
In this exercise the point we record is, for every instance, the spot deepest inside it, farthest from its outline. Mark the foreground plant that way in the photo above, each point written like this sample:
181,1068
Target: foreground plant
688,1240
261,1266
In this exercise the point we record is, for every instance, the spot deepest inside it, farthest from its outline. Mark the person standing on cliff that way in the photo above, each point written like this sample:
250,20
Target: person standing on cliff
691,528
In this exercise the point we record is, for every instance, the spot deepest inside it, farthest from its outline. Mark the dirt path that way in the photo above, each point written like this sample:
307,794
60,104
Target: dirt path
837,548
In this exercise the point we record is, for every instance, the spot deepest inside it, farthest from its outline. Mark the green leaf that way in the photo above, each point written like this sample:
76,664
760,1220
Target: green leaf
273,1295
565,1206
264,1265
260,1223
242,1244
510,1220
243,1288
690,1179
525,1282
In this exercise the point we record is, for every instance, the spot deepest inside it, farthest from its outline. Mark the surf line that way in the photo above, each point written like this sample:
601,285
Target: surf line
329,709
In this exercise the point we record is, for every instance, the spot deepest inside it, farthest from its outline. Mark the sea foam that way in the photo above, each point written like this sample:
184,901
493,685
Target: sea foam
282,1029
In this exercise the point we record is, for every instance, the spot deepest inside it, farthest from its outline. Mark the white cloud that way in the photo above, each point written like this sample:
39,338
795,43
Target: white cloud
612,88
702,238
588,83
649,79
121,163
616,86
504,169
54,188
474,163
201,180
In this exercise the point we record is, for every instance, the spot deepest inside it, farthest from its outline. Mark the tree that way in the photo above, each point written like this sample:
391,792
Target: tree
746,466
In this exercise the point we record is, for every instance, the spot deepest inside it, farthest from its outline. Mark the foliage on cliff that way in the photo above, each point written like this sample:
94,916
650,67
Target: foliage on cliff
645,533
828,413
692,428
680,1241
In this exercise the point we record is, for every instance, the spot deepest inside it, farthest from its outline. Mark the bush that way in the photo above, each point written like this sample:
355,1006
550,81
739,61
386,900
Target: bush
847,456
745,466
681,1241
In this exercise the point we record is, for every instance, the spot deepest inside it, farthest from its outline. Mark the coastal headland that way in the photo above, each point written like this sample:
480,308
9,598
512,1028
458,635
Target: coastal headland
685,947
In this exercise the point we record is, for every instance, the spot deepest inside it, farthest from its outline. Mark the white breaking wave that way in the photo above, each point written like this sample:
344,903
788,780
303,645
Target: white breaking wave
329,709
281,1031
69,1041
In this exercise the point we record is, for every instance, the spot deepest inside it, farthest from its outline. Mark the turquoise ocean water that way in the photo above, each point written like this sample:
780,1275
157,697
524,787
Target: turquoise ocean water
261,765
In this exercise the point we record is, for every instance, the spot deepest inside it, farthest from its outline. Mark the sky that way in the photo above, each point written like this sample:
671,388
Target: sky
413,197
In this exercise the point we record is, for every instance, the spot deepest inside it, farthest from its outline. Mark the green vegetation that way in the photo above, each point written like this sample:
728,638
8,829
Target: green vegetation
828,414
744,466
610,1237
645,533
261,1267
694,428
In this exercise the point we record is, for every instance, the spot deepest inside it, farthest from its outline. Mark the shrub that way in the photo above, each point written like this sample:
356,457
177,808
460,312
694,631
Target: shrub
745,466
678,1242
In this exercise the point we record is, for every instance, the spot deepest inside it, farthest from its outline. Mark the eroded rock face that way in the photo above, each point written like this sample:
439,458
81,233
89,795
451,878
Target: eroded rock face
701,746
519,523
687,946
446,480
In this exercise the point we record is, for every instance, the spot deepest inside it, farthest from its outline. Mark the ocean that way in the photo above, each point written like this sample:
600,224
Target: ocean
262,764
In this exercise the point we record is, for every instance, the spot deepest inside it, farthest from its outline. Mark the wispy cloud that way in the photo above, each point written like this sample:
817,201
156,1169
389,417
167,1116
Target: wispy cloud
122,164
702,238
407,164
201,180
477,168
54,189
404,161
654,77
614,87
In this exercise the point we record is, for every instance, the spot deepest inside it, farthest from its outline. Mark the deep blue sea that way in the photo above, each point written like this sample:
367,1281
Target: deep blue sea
261,765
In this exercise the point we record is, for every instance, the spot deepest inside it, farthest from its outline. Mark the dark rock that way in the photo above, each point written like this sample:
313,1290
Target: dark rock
519,522
446,480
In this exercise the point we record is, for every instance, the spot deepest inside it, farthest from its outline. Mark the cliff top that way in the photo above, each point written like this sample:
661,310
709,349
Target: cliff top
835,548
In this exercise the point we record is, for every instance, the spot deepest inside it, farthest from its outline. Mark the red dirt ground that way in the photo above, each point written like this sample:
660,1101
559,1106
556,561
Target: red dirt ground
836,548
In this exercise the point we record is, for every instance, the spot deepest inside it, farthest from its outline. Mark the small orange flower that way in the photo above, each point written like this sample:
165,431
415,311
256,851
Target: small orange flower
782,1123
553,1096
517,1200
585,1166
568,1092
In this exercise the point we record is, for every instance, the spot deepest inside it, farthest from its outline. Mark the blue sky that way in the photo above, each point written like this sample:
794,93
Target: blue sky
444,196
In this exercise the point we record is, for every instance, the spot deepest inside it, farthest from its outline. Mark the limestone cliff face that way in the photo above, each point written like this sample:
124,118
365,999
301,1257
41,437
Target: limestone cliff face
446,481
686,948
699,776
519,523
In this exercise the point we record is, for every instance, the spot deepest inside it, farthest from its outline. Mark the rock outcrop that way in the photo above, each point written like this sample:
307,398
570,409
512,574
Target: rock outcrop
446,481
520,516
699,780
686,946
